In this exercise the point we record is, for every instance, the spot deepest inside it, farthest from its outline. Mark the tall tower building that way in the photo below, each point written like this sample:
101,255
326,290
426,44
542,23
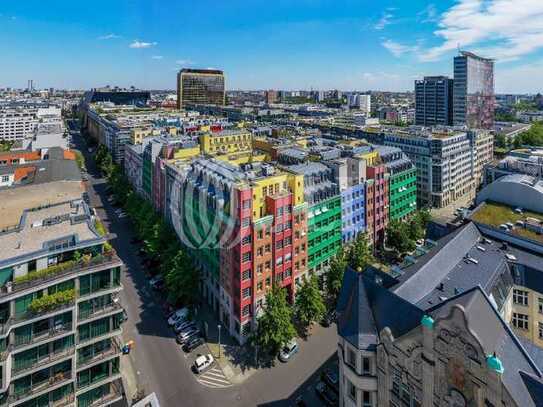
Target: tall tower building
434,101
200,86
473,91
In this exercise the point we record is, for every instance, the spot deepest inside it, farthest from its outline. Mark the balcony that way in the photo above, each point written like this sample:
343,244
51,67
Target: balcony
84,361
52,383
115,393
34,338
54,272
23,366
99,311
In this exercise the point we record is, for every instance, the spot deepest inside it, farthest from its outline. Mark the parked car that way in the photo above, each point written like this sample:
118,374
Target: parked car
183,325
331,378
177,316
202,362
185,335
156,282
288,351
326,394
193,343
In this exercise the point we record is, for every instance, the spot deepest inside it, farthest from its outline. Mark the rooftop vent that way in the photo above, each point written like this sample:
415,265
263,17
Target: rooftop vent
472,260
481,248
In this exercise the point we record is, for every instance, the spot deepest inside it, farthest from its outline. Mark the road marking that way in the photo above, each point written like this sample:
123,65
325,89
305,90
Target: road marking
209,384
213,375
215,381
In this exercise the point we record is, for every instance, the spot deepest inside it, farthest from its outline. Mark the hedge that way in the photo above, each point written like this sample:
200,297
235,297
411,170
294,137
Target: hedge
51,301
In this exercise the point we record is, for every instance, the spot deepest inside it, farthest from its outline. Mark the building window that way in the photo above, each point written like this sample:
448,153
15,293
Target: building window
5,178
540,329
245,257
540,305
351,390
396,381
246,293
245,222
259,286
246,329
520,297
366,366
246,311
351,358
246,275
246,240
247,204
520,321
260,269
366,399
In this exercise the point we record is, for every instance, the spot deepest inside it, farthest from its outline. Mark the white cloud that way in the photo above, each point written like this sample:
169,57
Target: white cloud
157,57
519,79
503,29
398,49
140,44
386,19
429,14
109,37
184,62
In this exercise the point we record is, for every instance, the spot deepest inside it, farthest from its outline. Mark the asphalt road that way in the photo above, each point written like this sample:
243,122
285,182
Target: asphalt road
162,366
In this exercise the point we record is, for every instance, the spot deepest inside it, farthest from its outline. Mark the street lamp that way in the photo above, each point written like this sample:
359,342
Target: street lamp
219,326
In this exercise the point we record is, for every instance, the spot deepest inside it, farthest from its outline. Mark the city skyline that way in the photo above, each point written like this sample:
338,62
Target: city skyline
316,44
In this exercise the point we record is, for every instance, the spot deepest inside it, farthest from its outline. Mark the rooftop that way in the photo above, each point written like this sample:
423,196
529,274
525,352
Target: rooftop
494,214
40,227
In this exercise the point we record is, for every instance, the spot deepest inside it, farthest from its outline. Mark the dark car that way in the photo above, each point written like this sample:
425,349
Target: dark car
327,395
193,343
331,378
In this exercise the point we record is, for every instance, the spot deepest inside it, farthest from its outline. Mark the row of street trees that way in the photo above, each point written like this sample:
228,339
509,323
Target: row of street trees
401,236
162,248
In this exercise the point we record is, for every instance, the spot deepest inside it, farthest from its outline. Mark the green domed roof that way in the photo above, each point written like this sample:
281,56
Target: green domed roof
427,321
494,363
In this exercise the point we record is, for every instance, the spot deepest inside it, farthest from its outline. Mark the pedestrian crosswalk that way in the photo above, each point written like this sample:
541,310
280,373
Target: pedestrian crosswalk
214,377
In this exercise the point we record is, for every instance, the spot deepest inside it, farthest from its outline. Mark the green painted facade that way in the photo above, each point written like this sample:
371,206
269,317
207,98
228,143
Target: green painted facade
324,232
147,176
402,194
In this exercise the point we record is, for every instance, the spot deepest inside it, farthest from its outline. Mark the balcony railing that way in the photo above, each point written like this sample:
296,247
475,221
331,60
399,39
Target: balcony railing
95,312
36,388
66,400
25,316
85,360
43,335
22,366
43,276
115,392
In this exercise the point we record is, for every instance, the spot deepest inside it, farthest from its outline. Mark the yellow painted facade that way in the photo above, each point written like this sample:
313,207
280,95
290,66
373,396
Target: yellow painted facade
225,142
186,153
281,183
137,135
371,157
533,310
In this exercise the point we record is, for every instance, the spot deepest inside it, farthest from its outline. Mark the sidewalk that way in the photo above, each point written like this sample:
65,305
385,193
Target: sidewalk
237,362
130,379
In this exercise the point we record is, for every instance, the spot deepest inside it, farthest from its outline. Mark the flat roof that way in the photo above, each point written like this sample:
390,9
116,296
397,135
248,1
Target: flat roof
71,219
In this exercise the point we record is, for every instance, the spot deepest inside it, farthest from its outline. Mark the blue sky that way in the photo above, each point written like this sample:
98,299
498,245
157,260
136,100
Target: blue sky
284,44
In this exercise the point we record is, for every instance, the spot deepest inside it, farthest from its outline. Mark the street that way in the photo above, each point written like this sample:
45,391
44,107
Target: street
161,366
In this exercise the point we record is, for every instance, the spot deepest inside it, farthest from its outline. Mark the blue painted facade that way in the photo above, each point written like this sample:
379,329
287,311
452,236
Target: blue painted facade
353,212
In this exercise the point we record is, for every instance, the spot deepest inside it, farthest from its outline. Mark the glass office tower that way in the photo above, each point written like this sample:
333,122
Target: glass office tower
473,91
200,87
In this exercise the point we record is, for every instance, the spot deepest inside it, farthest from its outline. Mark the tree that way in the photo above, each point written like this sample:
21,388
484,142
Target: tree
275,326
418,224
309,303
399,238
182,280
360,255
334,277
500,140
